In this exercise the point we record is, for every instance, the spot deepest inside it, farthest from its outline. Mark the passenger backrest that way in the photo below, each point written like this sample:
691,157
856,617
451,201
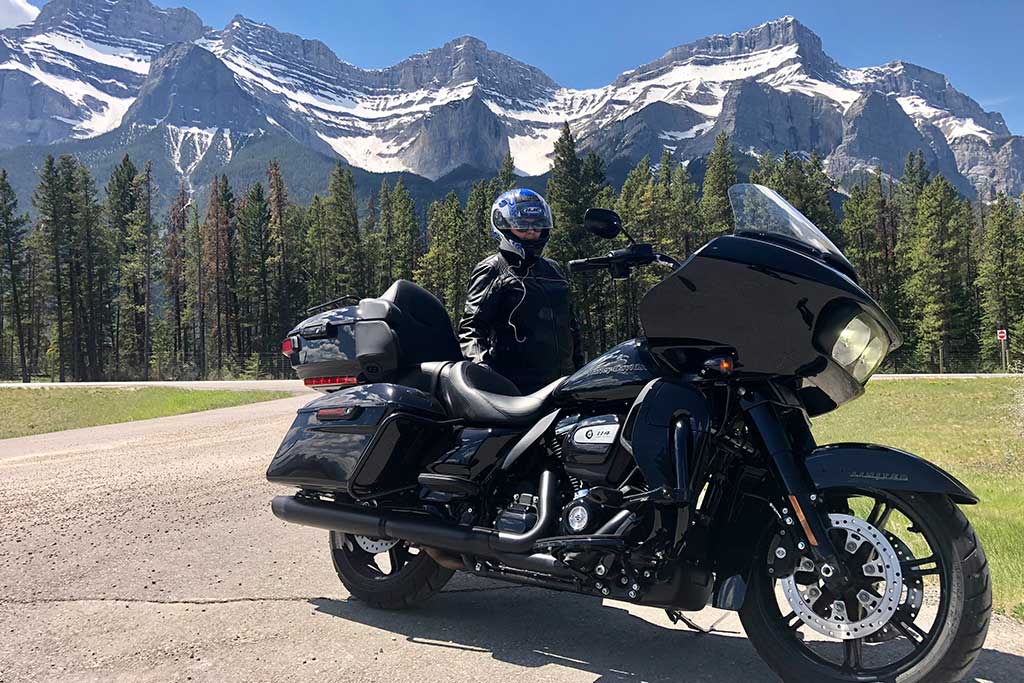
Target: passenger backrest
406,326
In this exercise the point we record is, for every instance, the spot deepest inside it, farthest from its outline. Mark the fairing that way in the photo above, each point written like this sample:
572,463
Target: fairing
771,304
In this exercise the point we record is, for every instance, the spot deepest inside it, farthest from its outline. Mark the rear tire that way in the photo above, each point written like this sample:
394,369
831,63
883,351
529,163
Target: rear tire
954,650
416,578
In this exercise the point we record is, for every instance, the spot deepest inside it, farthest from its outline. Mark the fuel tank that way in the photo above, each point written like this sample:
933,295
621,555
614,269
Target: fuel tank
617,375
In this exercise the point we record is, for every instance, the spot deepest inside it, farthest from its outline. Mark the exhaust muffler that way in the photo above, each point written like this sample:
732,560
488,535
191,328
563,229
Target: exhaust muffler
420,529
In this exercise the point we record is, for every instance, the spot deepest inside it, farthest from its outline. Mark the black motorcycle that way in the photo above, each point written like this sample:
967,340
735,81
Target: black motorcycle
676,470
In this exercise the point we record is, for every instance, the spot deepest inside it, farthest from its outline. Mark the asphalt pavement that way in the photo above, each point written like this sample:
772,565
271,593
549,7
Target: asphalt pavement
147,552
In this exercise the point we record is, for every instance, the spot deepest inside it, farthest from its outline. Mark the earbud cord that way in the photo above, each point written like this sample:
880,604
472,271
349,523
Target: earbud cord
515,330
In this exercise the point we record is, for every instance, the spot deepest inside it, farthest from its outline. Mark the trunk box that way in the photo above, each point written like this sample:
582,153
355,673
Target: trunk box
373,341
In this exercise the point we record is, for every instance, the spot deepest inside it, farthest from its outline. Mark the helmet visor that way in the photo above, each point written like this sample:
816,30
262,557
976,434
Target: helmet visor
530,215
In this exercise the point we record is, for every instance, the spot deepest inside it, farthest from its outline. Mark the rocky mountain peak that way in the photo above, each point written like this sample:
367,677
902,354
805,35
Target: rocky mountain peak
189,87
464,59
89,67
138,21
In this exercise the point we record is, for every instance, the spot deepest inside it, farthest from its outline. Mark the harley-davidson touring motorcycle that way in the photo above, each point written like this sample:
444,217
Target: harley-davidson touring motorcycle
678,470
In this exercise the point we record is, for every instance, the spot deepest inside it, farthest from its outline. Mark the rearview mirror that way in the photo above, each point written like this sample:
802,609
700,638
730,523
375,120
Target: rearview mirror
602,222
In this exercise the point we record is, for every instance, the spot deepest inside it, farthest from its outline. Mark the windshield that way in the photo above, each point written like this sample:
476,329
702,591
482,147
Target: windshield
761,211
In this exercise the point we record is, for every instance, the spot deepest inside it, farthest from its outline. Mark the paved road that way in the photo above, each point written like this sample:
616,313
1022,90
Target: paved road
147,551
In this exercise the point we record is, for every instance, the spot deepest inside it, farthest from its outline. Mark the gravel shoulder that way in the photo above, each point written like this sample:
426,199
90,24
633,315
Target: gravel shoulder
147,552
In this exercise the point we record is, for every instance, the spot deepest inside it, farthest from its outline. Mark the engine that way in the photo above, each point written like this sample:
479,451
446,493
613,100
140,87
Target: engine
593,457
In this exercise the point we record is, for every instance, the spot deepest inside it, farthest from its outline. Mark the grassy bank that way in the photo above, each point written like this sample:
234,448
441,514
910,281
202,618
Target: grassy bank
974,428
36,411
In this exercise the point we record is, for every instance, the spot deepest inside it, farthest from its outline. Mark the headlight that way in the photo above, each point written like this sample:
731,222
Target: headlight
860,347
852,342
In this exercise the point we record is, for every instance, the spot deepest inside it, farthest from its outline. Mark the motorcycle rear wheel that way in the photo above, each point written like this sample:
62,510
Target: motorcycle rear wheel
398,577
944,656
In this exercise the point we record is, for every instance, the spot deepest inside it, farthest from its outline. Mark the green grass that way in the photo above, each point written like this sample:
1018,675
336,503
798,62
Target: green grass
36,411
973,428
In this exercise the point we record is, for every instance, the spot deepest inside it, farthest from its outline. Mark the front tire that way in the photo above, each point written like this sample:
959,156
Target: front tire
399,576
945,656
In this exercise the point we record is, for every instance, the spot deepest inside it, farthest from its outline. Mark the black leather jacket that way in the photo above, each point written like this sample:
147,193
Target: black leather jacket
532,339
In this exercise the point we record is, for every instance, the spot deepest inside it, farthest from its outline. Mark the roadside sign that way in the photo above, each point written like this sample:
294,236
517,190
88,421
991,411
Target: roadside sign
1001,335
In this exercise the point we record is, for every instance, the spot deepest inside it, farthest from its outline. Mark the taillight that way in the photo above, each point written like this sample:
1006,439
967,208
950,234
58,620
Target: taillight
330,381
289,345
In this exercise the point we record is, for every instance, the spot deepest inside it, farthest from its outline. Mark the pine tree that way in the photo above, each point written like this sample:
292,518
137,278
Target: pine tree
13,233
385,239
196,292
283,247
258,255
318,255
906,197
344,240
506,176
864,211
477,239
716,212
137,268
92,255
405,243
119,205
565,197
686,229
444,269
933,285
51,204
174,279
216,247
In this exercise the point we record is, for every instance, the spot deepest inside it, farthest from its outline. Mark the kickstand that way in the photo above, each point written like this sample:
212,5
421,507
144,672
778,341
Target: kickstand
675,616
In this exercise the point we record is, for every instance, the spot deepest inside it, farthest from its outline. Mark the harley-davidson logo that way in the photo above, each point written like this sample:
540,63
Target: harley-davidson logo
880,476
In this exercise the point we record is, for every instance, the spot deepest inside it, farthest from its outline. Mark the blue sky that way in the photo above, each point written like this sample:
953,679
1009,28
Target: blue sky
977,43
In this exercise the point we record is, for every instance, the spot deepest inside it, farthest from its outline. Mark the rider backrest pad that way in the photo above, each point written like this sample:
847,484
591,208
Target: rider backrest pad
406,326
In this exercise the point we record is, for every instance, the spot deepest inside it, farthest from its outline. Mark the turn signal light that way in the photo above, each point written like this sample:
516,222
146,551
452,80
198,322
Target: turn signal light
721,365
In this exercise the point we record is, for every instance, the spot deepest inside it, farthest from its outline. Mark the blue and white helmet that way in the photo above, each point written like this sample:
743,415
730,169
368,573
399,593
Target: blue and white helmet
521,209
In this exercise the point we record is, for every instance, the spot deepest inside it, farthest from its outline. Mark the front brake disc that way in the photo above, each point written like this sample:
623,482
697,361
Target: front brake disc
827,613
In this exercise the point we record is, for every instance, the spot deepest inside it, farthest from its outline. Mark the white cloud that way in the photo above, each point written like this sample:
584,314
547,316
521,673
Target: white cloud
14,12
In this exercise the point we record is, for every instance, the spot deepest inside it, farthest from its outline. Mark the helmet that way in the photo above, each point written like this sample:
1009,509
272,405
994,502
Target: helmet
521,209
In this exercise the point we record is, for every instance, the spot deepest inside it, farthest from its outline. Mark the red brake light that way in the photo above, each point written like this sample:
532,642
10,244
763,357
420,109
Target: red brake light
330,381
287,347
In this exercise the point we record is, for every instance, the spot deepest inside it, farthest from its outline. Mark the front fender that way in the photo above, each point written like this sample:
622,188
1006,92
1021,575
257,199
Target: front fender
881,467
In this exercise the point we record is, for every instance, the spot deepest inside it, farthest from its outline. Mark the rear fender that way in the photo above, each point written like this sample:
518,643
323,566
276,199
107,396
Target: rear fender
881,467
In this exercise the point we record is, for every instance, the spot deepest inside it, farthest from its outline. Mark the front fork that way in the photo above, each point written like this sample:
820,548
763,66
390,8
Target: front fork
800,493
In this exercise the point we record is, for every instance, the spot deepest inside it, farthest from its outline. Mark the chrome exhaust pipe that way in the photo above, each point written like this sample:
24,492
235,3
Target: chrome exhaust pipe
421,529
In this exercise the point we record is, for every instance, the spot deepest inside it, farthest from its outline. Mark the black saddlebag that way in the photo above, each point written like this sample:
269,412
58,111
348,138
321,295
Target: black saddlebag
362,441
374,341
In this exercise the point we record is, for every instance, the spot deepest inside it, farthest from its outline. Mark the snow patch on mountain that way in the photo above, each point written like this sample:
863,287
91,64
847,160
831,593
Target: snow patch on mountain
100,111
188,147
952,127
368,152
53,45
690,133
532,151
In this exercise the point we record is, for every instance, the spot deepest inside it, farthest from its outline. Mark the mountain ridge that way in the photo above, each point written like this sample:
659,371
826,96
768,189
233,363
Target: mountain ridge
85,68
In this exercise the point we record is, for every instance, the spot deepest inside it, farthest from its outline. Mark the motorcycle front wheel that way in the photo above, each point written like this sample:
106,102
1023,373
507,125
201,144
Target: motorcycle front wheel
917,609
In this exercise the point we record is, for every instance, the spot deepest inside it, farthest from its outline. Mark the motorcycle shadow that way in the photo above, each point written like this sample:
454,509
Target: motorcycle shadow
532,628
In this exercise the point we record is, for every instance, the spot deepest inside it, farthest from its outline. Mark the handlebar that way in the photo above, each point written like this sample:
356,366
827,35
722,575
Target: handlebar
621,261
585,264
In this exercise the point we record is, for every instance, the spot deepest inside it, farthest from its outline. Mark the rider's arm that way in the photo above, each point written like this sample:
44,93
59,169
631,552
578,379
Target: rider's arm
478,316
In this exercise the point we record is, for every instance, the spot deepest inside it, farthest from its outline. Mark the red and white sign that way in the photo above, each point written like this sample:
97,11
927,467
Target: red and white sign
1001,335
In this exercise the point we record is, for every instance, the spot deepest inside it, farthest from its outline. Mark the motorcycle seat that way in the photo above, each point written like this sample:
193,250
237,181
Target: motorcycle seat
480,395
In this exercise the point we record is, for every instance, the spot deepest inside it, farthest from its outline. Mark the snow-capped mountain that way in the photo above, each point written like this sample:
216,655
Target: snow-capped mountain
115,72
